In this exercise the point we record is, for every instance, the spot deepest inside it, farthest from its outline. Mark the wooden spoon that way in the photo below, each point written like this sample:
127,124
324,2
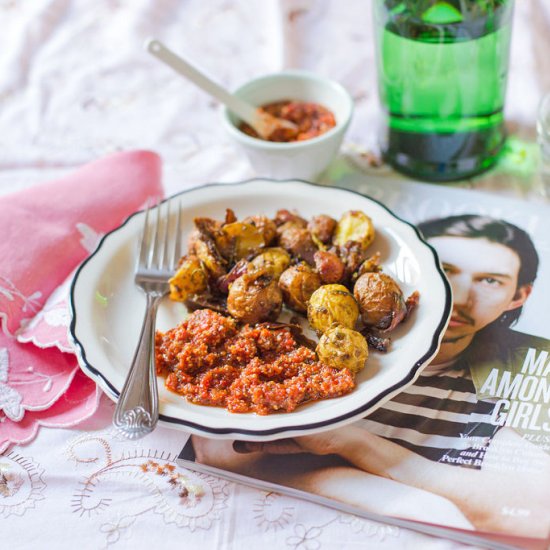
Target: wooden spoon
264,123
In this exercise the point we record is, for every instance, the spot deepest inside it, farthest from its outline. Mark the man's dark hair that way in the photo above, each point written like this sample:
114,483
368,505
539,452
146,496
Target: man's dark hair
494,230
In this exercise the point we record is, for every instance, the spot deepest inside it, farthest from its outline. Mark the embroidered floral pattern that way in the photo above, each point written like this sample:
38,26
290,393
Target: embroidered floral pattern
13,303
78,402
369,528
49,327
117,529
270,512
305,538
90,238
10,399
186,499
21,484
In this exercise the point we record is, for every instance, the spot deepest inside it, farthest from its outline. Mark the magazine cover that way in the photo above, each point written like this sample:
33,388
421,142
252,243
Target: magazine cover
466,448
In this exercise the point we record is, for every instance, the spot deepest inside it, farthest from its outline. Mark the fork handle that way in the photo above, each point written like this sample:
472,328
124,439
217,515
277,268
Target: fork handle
137,410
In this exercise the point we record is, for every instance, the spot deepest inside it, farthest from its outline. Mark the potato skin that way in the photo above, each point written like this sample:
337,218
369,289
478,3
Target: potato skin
297,242
319,266
204,229
203,244
297,284
322,227
267,227
330,267
254,297
284,216
190,278
380,300
332,304
210,258
272,260
354,226
341,347
238,240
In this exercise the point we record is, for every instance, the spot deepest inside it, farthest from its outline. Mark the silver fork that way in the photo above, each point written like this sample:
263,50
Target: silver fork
137,410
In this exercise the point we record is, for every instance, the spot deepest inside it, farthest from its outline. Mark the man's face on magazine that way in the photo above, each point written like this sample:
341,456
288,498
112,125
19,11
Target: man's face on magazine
484,278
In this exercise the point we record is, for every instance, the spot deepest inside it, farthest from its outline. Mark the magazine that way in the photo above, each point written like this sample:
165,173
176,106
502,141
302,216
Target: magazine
465,451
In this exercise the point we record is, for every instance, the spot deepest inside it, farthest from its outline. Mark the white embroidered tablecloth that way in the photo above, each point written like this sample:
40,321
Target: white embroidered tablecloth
75,84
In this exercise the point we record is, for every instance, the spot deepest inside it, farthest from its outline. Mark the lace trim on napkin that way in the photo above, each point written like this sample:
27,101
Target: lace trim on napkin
10,399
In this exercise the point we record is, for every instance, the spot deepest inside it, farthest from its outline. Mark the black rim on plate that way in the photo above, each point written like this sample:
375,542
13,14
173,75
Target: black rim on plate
103,381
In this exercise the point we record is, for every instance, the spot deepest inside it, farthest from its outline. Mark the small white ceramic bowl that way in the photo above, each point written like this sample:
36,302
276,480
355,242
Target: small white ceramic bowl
299,159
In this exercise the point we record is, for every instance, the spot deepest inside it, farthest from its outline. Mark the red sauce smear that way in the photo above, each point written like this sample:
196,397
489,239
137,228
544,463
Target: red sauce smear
212,360
311,119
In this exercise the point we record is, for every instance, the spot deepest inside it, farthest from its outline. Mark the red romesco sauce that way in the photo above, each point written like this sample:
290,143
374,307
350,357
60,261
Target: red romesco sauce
211,360
311,119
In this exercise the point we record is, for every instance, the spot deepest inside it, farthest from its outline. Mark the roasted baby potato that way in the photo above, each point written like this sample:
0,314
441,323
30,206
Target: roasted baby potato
369,265
190,278
209,256
267,227
223,283
352,255
354,226
298,283
239,239
330,267
341,347
284,216
204,230
297,242
332,304
254,297
380,300
204,247
322,228
272,260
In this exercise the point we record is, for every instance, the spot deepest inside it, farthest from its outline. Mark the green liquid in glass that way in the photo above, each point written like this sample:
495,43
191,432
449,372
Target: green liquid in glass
443,86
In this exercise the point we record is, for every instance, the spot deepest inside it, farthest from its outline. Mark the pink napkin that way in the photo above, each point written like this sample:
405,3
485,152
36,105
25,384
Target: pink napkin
47,231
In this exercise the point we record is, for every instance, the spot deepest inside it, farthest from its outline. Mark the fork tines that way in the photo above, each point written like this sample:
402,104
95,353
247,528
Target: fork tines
160,243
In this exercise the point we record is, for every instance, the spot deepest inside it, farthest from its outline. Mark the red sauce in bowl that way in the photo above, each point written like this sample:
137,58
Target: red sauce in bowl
311,120
212,360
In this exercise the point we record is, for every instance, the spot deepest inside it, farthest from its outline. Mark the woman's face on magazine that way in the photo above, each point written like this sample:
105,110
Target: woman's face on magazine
484,278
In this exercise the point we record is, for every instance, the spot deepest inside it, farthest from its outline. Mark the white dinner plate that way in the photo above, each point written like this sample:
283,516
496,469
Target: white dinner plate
107,309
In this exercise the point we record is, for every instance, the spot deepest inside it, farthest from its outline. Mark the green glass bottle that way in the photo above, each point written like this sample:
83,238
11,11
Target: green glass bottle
442,68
